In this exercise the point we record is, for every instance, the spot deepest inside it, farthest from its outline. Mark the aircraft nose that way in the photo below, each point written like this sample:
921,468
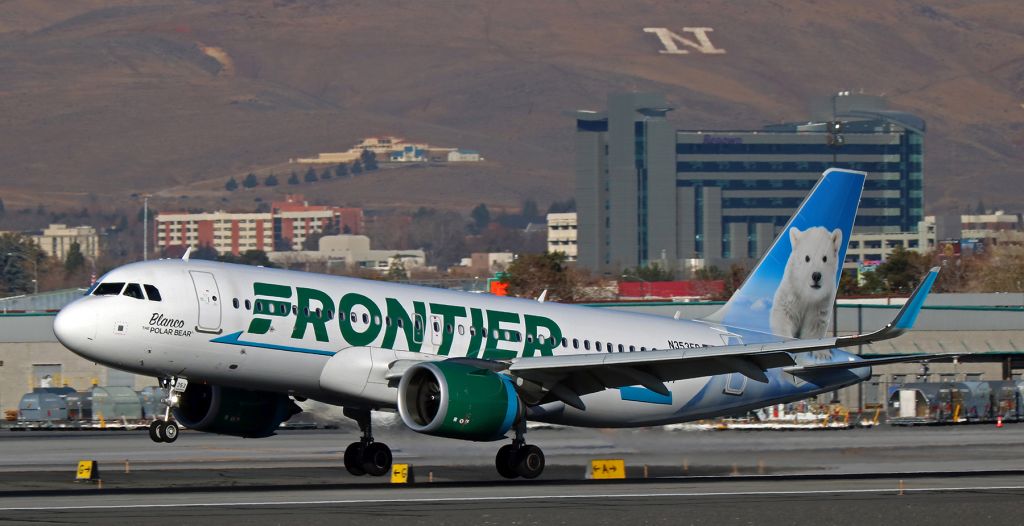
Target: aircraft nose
75,324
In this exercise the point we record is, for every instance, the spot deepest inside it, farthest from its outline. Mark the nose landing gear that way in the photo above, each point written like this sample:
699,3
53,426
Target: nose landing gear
166,430
366,457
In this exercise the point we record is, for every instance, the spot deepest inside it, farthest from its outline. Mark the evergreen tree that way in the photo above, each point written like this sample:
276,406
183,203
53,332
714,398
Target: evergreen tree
231,185
294,179
357,168
74,260
310,176
341,170
250,181
530,212
369,160
481,217
271,180
326,174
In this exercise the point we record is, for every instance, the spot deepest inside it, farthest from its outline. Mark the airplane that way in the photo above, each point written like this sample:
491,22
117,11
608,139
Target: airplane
237,345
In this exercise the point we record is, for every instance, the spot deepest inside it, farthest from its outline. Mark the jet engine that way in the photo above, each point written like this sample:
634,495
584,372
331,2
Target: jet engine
458,400
232,411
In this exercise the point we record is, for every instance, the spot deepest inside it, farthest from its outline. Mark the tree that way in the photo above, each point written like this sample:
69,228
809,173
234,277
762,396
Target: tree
341,170
440,233
530,212
902,270
310,176
74,260
357,168
326,174
481,217
20,261
559,207
530,274
652,272
249,257
250,181
294,179
369,160
206,252
231,185
271,180
396,270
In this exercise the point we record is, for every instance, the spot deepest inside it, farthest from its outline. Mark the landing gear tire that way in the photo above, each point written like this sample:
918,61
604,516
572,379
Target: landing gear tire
503,462
376,459
155,431
529,462
366,457
169,430
353,459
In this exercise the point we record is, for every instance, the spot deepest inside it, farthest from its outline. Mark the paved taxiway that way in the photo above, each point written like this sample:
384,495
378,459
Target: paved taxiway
297,478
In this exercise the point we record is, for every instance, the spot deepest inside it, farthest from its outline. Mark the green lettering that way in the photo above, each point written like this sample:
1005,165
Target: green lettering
351,335
268,307
533,343
496,334
413,331
448,314
476,333
307,315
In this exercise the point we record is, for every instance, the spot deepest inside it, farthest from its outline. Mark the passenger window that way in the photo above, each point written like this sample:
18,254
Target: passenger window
575,343
437,327
330,314
108,289
248,305
631,348
643,349
586,345
597,346
387,320
319,313
270,308
620,347
234,303
366,319
472,330
462,330
449,329
259,307
133,290
295,310
154,294
399,322
565,343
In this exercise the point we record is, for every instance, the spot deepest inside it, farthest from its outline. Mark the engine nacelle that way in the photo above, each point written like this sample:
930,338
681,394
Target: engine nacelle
232,411
457,400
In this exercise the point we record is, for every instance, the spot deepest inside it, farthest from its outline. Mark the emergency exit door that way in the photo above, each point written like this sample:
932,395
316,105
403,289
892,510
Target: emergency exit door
208,296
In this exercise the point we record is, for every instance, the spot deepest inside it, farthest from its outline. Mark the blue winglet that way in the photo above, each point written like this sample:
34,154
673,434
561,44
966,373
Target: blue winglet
908,314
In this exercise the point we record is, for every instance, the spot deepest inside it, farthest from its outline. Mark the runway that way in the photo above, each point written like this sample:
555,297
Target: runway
831,477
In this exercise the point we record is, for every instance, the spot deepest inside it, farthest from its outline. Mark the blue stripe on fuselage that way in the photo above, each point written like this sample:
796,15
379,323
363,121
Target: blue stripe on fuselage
233,339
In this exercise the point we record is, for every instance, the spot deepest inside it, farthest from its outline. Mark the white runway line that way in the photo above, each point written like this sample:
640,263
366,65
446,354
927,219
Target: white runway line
517,498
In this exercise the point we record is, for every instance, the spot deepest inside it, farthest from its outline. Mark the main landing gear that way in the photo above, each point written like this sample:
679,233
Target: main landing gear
166,430
519,459
366,457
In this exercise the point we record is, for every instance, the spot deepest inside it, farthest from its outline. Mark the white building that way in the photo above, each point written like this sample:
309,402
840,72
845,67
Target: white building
457,156
352,251
867,248
57,239
562,230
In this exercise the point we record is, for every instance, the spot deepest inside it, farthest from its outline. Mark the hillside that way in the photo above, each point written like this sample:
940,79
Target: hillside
101,99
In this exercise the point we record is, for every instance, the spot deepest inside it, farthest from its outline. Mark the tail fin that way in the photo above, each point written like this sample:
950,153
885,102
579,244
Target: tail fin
792,289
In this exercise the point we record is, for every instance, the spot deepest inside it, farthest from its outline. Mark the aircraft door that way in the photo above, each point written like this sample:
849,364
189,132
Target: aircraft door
435,330
208,296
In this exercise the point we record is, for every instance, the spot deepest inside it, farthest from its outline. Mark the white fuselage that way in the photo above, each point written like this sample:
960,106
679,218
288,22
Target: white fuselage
249,327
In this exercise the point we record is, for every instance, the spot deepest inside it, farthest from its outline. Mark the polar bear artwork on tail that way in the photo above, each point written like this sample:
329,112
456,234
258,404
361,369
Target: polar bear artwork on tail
803,302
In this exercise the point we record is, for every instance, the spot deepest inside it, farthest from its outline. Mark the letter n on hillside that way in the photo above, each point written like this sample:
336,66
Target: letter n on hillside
673,43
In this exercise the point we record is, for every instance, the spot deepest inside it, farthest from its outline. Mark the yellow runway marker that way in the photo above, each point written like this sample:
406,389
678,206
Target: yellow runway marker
608,469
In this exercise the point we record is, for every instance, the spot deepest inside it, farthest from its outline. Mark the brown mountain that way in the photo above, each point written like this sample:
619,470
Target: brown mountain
113,97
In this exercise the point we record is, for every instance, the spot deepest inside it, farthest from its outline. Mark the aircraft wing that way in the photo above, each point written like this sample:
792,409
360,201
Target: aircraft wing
566,378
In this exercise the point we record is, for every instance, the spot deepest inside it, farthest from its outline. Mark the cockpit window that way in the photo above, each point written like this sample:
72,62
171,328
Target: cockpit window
108,289
134,290
152,292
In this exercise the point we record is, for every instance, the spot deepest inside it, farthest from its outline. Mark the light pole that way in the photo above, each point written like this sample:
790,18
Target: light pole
35,269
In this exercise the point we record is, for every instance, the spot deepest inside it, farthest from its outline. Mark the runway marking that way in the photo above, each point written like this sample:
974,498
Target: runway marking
516,497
